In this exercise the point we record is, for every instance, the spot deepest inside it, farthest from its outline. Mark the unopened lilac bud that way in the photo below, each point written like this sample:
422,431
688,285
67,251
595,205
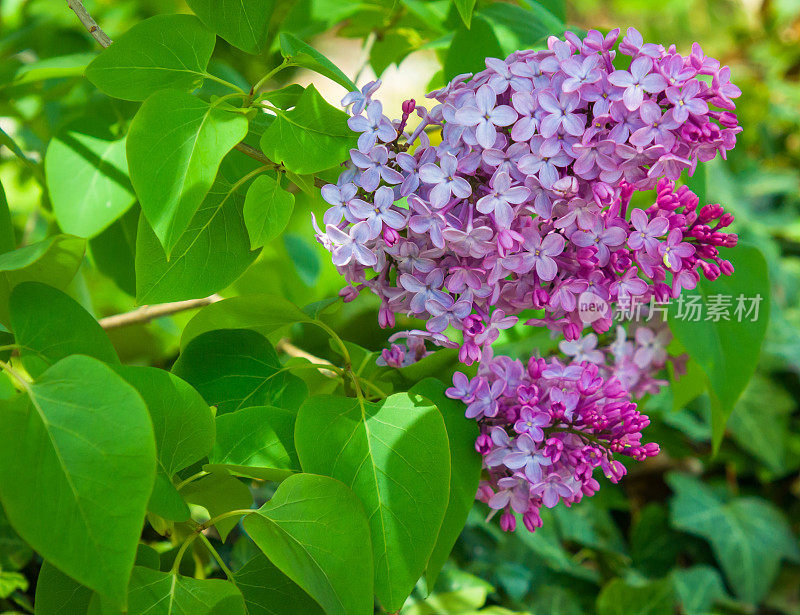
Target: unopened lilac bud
508,522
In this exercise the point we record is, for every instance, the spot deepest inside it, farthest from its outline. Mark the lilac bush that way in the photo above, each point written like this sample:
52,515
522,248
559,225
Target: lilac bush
525,203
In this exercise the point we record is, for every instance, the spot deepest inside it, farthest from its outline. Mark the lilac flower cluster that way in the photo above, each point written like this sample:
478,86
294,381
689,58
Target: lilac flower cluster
525,202
547,425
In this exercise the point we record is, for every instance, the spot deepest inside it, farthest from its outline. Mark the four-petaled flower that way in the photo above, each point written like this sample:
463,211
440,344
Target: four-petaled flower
446,183
638,80
373,127
485,116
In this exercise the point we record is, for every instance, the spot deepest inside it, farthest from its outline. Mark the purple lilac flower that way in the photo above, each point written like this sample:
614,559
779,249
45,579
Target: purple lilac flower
637,81
486,116
445,181
373,127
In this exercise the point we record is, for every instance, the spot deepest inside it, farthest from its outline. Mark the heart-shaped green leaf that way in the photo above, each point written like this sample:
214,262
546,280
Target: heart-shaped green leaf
176,143
315,531
165,51
395,456
76,471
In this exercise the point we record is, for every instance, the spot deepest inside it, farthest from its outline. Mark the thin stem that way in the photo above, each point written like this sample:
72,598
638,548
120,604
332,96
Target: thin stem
9,347
254,154
176,565
372,386
192,478
217,557
285,64
348,363
199,530
89,23
232,86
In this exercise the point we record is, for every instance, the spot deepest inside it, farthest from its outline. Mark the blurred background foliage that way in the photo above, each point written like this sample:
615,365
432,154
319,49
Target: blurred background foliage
685,532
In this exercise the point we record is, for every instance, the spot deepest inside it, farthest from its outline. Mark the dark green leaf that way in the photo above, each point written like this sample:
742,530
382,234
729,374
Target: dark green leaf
165,501
243,23
114,251
310,138
465,473
232,369
395,456
176,143
697,588
622,598
14,552
314,530
262,313
163,593
519,28
87,179
50,326
256,442
212,253
219,493
159,53
7,240
727,350
470,48
267,591
305,55
53,261
749,536
84,433
267,210
58,594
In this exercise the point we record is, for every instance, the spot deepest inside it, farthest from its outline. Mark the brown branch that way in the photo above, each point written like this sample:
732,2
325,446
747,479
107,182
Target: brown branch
146,313
89,23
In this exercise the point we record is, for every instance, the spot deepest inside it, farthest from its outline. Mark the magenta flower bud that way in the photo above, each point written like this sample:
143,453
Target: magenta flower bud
532,519
385,317
348,294
409,106
390,236
508,522
483,444
651,449
725,267
728,119
485,492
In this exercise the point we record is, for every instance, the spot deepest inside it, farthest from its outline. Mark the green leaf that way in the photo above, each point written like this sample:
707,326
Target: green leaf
303,54
763,429
14,552
310,138
176,143
165,501
654,545
232,369
285,97
49,326
58,594
256,442
182,421
395,456
212,253
159,53
163,593
520,28
7,240
470,48
113,251
621,598
219,493
264,314
84,433
53,261
243,23
87,179
687,387
749,536
726,350
697,588
465,473
267,591
314,530
59,67
465,8
267,210
11,582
